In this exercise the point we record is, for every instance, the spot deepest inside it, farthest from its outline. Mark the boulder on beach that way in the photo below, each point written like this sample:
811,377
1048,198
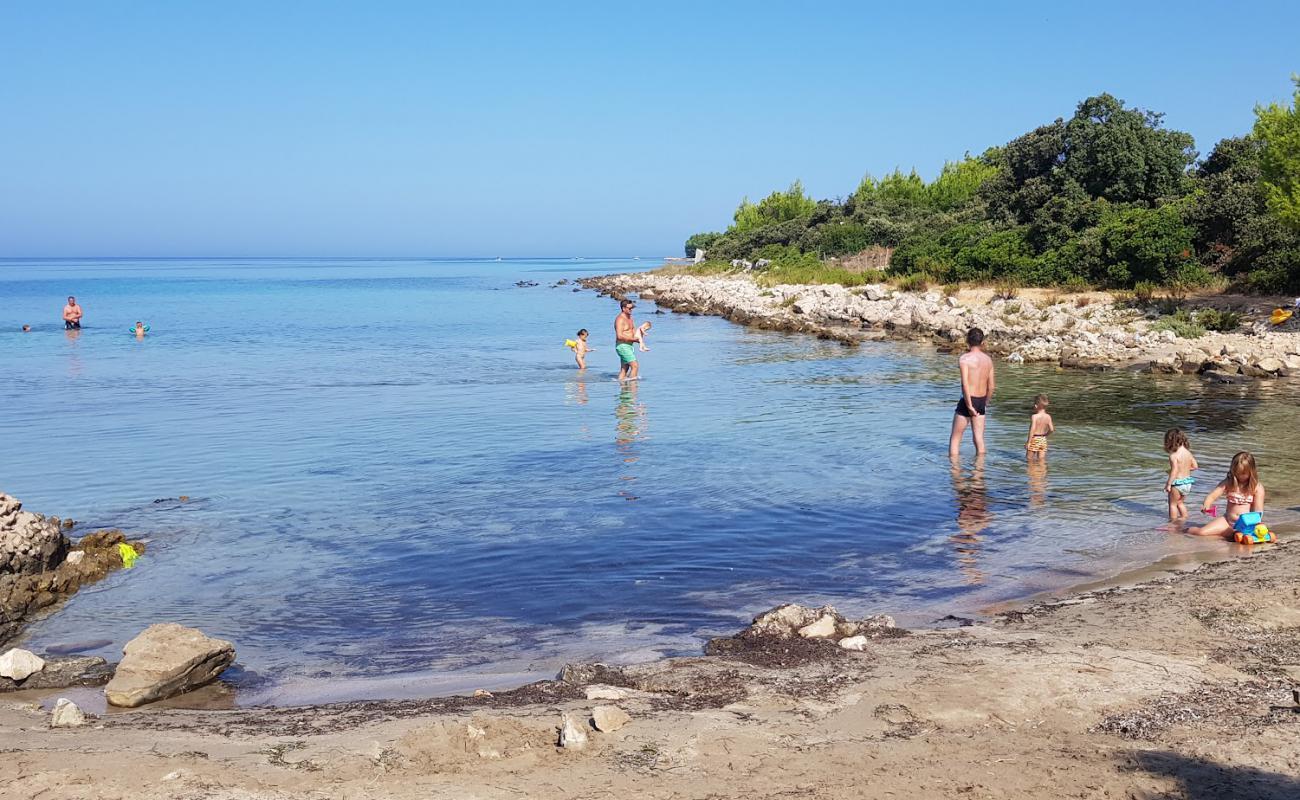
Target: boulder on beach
164,661
608,719
791,619
572,736
18,664
61,672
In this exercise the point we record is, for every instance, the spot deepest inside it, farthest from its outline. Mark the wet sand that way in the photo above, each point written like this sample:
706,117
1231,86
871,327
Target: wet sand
1177,687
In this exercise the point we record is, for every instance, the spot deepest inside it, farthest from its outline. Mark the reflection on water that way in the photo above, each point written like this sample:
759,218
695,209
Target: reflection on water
1036,468
973,516
630,431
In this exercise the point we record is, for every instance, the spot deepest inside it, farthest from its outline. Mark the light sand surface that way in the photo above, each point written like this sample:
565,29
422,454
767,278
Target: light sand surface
1177,688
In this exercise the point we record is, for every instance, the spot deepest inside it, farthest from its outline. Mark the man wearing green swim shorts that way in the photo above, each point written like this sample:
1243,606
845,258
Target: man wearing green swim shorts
625,336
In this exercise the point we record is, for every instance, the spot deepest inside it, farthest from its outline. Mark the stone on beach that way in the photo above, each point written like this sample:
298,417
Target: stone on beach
606,693
17,664
67,715
858,642
790,620
60,672
572,736
608,719
822,628
164,661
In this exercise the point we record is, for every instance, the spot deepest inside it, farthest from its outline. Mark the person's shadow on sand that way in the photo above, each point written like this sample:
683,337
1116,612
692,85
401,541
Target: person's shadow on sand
1207,780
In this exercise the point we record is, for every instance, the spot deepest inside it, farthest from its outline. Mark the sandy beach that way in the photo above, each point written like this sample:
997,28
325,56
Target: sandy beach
1179,686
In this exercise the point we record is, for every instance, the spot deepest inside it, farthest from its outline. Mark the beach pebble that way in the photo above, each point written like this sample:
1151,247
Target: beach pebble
482,693
18,664
822,628
75,557
608,719
858,643
67,715
572,736
605,693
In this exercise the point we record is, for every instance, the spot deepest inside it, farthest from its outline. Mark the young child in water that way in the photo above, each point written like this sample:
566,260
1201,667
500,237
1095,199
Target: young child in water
1243,491
139,330
641,331
1040,427
1181,464
581,349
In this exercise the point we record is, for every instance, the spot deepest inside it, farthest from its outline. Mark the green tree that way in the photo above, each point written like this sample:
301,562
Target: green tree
958,183
703,241
775,208
1278,129
1123,154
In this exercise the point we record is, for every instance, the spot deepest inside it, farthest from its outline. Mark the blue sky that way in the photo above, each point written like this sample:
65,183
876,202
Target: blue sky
414,128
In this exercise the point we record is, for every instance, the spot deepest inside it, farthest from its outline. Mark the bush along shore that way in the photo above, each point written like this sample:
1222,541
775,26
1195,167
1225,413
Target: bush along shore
1108,198
1089,331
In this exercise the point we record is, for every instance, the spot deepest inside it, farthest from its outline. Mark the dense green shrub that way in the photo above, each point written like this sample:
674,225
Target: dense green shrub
703,241
1105,198
1182,323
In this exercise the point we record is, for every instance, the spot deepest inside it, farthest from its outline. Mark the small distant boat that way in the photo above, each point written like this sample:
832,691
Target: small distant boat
498,258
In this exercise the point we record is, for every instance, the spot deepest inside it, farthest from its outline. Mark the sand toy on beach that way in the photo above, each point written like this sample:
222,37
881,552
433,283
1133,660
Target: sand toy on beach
1250,529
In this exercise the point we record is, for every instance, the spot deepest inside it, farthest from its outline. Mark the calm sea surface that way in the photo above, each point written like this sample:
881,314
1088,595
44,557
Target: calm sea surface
398,481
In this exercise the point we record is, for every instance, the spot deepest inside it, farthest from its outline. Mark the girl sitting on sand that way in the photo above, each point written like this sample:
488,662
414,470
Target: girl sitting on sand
1244,493
1181,465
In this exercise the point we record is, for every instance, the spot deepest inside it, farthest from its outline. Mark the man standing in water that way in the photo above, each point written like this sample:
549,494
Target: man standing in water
625,336
72,315
977,385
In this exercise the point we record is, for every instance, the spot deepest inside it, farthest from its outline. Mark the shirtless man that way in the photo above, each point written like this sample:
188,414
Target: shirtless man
71,314
977,385
625,336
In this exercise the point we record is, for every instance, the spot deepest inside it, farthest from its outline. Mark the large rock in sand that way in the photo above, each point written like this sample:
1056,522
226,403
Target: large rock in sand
164,661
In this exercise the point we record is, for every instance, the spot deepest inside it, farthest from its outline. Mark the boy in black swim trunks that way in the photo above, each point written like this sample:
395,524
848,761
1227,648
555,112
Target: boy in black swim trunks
977,385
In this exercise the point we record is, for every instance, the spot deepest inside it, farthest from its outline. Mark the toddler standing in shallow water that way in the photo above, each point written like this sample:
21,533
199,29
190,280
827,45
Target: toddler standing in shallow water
580,349
1040,427
1181,465
1244,493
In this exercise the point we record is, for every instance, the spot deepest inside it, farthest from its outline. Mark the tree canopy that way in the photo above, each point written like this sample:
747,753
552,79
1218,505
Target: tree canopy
1108,197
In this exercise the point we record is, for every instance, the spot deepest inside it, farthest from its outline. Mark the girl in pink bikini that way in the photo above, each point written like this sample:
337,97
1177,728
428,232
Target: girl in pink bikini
1243,491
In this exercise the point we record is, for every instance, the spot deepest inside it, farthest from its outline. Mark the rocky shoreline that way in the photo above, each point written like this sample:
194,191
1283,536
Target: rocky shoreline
1085,332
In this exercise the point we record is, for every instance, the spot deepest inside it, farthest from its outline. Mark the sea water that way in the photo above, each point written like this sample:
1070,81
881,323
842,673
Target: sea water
398,481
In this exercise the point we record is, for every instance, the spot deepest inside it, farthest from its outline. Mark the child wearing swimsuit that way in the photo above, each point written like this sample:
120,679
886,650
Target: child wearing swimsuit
1244,493
1040,427
1181,464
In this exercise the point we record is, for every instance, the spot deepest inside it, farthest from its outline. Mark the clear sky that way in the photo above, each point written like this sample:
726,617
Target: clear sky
532,128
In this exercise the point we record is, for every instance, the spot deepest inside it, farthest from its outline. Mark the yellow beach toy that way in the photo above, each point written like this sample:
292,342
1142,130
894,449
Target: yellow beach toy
128,554
571,344
1280,315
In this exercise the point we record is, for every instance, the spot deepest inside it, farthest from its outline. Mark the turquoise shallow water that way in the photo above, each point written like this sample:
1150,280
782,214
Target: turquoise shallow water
394,469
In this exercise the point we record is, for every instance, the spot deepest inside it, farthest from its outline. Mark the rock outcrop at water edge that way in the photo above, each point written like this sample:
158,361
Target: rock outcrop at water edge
166,660
40,566
29,543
